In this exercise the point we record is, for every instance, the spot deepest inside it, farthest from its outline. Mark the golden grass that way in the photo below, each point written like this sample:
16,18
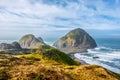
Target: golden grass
38,67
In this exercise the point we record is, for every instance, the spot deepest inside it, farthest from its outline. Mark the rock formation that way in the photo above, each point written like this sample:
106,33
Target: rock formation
40,39
30,42
13,46
16,46
76,40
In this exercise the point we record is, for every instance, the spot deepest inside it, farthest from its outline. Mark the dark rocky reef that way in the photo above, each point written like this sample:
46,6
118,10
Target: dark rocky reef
76,40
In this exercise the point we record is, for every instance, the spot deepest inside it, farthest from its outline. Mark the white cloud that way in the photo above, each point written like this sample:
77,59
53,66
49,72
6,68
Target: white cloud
24,16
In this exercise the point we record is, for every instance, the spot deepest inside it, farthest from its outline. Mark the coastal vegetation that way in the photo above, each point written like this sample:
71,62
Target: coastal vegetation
49,64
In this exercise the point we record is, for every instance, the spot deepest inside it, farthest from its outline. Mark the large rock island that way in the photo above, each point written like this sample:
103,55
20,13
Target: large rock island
76,40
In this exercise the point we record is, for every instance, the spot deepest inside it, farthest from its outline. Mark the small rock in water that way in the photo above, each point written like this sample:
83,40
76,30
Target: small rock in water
95,57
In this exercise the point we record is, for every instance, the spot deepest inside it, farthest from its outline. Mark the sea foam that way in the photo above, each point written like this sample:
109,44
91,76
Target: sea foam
106,57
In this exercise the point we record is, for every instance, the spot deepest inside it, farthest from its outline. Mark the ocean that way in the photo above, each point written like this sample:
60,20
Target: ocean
107,53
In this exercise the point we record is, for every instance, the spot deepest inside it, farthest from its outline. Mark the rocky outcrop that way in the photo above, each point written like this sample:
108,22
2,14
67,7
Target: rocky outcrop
27,44
5,46
13,46
40,39
16,46
76,40
30,42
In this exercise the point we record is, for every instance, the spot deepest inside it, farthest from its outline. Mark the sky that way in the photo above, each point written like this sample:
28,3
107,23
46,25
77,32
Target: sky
54,18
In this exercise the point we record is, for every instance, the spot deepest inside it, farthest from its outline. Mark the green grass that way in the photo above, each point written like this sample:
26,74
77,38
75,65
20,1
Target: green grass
118,74
59,57
51,54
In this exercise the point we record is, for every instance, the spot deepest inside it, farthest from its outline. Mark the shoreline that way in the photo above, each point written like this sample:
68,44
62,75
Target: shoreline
82,62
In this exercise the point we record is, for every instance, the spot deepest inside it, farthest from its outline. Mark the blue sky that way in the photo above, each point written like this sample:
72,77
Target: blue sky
46,18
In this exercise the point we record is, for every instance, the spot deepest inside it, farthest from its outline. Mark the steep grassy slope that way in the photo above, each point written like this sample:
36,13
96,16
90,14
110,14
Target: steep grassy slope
37,66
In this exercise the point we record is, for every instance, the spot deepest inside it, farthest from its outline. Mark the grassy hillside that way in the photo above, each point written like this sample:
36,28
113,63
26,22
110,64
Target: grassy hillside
49,53
49,64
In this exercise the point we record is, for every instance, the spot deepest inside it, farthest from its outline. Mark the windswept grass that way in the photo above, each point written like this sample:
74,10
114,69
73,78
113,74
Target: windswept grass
49,65
60,57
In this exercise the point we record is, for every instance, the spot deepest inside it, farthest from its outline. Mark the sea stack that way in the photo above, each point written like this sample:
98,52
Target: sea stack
76,40
31,42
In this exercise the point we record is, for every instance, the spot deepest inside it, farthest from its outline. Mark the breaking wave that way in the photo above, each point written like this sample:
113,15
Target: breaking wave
103,56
